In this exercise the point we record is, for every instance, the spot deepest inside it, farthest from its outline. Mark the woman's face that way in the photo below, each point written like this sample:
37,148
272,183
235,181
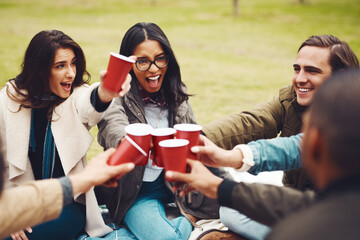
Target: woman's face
63,72
151,79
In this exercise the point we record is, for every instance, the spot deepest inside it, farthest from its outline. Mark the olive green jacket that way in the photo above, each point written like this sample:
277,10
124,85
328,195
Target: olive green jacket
280,115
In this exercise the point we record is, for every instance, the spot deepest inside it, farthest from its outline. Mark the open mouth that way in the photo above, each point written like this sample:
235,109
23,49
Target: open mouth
153,81
66,85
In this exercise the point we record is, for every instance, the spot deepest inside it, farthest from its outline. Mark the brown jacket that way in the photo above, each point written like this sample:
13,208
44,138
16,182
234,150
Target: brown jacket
280,115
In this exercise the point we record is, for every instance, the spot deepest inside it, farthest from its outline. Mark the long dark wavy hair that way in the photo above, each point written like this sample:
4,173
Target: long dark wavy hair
32,84
173,87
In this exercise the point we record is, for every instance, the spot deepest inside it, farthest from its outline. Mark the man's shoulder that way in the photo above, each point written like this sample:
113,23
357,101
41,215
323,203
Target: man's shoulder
340,215
287,93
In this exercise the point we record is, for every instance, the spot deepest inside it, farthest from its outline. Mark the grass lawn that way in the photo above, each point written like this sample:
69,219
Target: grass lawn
229,63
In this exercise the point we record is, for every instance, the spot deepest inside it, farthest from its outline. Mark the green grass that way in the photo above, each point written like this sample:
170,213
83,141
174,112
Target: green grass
229,63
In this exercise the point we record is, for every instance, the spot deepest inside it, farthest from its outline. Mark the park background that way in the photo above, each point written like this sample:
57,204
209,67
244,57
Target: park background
230,63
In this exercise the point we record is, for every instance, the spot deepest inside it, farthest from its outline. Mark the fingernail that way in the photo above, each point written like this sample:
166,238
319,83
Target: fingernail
195,149
131,166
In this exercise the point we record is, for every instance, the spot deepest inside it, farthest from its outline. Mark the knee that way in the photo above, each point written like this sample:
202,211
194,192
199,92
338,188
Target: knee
176,235
181,229
241,224
227,216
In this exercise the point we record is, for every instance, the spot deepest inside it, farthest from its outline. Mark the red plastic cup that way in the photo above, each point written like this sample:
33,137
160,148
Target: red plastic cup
141,134
127,151
158,135
190,132
118,68
174,153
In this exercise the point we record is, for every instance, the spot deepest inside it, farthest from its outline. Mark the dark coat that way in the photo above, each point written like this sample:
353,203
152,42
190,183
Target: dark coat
335,214
331,214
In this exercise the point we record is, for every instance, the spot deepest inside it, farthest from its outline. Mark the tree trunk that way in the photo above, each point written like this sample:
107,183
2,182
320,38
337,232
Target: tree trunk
236,7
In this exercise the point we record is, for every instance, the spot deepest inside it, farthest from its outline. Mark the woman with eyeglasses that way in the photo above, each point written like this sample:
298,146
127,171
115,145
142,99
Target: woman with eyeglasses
157,97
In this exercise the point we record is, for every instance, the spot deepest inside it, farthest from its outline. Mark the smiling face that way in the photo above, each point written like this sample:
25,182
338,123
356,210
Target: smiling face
311,69
151,79
63,72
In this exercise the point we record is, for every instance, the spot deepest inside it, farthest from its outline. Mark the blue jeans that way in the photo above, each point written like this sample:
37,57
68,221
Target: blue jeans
67,226
241,224
117,234
146,219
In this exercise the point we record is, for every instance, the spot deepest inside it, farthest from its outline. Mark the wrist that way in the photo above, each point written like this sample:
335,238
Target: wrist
215,187
103,96
247,157
237,158
79,184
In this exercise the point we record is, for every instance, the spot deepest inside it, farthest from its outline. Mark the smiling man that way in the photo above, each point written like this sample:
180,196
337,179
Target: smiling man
317,59
311,68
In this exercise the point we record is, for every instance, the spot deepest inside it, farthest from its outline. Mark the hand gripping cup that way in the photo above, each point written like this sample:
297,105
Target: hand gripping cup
174,154
127,151
140,133
118,68
158,135
190,132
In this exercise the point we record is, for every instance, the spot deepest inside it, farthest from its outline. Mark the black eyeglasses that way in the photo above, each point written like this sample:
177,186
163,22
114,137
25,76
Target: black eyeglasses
145,64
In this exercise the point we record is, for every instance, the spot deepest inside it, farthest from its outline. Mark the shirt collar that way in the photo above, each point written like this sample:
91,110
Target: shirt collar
157,99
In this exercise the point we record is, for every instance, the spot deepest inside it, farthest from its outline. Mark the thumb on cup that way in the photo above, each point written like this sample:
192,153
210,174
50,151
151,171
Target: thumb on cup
195,149
133,57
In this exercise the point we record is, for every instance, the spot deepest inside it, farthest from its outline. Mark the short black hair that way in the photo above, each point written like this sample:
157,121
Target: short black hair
335,111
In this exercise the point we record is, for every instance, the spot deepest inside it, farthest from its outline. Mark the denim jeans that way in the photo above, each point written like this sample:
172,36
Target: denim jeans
68,225
116,234
146,219
243,225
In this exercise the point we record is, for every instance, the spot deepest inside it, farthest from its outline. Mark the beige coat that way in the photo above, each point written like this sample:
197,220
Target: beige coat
44,202
71,121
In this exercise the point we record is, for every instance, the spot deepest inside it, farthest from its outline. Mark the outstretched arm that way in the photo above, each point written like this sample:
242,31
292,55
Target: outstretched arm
264,203
281,153
43,200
